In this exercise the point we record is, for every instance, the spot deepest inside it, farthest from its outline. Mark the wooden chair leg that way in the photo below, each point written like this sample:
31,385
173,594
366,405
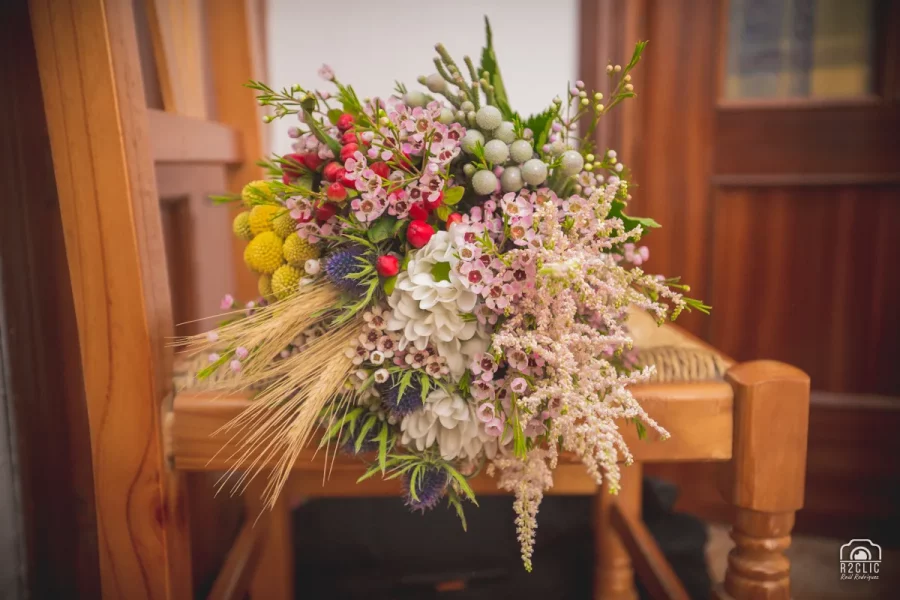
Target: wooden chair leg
765,477
274,577
613,573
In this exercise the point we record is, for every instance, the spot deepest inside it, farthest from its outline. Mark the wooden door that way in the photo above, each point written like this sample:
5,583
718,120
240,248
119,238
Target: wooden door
765,139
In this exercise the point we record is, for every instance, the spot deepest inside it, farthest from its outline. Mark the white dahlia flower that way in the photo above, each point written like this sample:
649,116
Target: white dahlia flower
451,422
428,302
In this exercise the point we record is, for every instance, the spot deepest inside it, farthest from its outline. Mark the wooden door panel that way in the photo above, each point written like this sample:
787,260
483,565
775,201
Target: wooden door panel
853,141
780,213
808,275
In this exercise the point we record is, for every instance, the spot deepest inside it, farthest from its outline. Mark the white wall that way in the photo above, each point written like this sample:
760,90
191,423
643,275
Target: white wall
371,44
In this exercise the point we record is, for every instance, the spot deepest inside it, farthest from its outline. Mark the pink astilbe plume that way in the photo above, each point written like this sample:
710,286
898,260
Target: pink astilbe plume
571,319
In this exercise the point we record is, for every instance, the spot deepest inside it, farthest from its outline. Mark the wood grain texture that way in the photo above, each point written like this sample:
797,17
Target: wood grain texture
653,570
771,420
234,31
273,577
197,234
807,140
96,117
177,38
757,567
778,214
569,479
672,163
822,264
233,581
698,417
613,573
180,139
42,383
765,478
847,493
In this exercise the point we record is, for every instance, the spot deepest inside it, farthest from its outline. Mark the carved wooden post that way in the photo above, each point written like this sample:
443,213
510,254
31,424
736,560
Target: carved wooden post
765,477
613,574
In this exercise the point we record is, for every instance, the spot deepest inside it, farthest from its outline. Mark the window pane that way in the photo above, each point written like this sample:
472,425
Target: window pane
800,48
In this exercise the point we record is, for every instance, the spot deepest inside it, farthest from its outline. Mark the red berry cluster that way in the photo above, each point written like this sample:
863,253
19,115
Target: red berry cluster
418,232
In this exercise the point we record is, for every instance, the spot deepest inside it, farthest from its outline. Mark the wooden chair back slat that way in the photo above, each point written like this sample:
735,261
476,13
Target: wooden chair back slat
97,122
177,33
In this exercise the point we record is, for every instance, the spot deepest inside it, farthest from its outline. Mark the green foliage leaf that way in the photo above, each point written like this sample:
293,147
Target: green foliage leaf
443,212
454,195
209,370
334,114
441,271
414,480
630,222
462,482
453,499
349,419
382,228
320,134
641,429
382,447
540,125
465,382
425,382
645,222
405,382
363,431
389,284
369,472
636,56
227,199
489,64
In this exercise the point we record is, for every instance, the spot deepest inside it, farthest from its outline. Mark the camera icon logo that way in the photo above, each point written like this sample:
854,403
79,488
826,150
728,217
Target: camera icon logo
860,560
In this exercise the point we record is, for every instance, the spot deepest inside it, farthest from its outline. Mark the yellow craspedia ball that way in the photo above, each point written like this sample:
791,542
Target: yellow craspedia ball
297,250
263,253
284,224
261,217
265,287
257,192
285,281
241,226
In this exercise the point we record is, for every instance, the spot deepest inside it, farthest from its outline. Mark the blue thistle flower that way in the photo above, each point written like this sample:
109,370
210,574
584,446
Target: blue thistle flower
430,487
396,405
344,262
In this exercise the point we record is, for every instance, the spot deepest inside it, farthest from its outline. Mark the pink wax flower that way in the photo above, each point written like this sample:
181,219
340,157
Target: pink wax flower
483,365
326,73
517,359
485,412
518,385
494,427
227,302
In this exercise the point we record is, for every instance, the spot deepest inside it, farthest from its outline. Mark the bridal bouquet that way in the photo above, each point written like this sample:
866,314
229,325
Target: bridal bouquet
444,287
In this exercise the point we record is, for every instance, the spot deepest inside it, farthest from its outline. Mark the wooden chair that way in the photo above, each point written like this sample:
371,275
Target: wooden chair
145,439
